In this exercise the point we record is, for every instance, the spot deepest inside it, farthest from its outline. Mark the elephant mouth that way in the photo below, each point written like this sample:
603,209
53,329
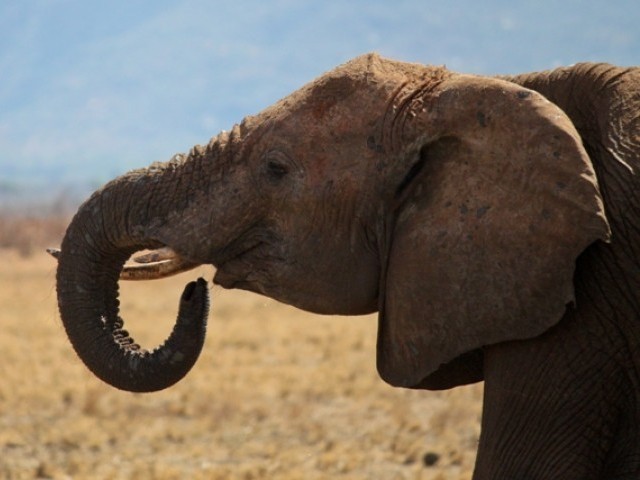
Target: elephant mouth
244,263
227,266
240,249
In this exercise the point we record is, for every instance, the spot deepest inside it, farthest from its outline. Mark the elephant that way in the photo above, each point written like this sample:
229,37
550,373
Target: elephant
492,222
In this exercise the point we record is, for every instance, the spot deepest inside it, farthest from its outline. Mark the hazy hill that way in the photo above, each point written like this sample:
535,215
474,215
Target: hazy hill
89,90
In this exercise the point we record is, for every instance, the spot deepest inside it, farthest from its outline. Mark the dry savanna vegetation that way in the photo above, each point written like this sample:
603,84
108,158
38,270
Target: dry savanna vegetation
277,393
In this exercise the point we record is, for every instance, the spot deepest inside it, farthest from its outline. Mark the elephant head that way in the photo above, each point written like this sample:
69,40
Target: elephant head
454,205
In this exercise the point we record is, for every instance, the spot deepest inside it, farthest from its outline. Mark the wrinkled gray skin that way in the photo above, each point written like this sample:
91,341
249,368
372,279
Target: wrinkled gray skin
498,237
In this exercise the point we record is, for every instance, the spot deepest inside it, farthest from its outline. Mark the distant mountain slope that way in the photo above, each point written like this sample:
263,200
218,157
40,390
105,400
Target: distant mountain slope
91,90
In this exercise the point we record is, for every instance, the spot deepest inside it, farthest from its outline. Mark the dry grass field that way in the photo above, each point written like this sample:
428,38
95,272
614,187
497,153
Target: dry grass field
276,394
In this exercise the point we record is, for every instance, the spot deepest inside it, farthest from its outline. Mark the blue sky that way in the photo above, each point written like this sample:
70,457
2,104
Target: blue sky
89,90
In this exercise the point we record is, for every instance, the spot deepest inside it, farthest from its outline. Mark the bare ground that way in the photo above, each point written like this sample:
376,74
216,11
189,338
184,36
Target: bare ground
277,393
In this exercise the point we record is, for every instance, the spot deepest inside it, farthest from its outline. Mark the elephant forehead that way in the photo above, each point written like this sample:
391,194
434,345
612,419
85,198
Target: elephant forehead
363,85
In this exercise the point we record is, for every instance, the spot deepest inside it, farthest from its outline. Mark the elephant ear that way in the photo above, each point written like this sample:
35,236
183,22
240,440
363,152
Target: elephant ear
499,202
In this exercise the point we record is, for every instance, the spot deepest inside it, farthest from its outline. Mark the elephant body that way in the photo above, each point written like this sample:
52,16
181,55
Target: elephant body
586,379
494,224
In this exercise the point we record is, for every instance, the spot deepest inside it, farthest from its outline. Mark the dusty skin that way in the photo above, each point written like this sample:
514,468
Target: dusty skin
277,394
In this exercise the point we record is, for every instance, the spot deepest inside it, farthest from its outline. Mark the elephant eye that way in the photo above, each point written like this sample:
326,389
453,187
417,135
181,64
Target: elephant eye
277,170
277,166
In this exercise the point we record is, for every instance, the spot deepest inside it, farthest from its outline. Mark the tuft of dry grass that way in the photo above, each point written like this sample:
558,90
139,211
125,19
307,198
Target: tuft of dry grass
31,233
278,394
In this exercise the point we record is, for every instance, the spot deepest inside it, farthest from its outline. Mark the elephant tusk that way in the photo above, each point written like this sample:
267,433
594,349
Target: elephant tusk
164,253
160,263
156,270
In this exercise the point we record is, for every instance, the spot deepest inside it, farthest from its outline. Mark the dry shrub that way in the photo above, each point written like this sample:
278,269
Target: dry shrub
31,222
28,233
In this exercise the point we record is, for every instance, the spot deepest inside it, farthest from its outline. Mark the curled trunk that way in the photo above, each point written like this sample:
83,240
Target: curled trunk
108,228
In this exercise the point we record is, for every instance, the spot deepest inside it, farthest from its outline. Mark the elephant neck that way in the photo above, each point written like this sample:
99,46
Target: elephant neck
597,99
603,104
